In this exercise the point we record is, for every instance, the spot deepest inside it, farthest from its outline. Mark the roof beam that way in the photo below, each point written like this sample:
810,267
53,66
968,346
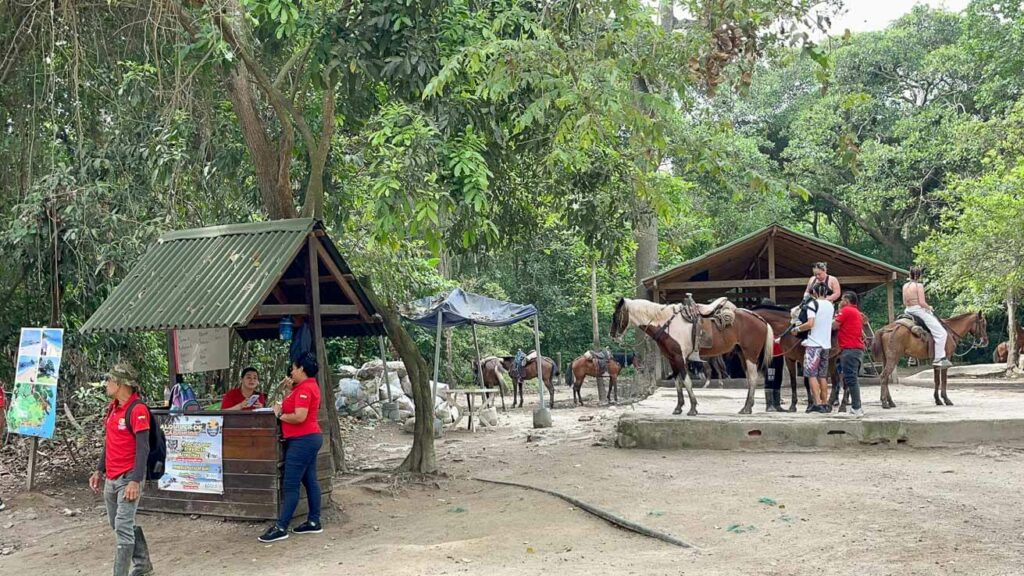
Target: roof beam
767,283
342,280
303,310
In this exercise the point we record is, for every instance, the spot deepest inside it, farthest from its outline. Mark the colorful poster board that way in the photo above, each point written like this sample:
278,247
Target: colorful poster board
202,350
194,454
33,410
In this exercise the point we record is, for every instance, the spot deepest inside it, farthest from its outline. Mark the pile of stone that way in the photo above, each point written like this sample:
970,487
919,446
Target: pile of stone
362,393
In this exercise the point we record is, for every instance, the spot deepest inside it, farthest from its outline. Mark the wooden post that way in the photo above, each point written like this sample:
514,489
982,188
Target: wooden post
328,412
480,368
172,366
33,445
771,266
560,364
890,295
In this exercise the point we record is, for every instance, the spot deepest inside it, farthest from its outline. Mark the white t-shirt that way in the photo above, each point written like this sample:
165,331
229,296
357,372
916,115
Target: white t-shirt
821,332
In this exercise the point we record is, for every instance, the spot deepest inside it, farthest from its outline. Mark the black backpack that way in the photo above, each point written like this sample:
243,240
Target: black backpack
808,303
157,443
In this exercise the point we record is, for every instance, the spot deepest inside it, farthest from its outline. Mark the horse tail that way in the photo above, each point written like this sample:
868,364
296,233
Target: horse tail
570,377
554,370
878,348
769,341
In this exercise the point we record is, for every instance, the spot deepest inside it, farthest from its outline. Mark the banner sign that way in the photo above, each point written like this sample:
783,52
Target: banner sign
194,455
202,350
33,410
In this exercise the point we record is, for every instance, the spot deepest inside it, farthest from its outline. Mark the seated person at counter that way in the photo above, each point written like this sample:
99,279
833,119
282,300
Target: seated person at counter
241,398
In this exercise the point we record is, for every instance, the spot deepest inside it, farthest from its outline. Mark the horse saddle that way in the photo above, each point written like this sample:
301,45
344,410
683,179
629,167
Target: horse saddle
599,357
918,328
531,357
720,314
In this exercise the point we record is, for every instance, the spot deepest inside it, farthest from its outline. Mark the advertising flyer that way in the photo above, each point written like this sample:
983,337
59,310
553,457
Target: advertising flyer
33,410
194,456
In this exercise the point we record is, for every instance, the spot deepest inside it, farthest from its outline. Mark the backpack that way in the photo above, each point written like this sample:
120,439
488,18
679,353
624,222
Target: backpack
157,443
183,399
808,303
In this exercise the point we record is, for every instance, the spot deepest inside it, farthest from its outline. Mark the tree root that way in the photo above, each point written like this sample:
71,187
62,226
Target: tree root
606,516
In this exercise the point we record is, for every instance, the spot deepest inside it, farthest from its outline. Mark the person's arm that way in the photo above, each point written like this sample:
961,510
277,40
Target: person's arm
297,417
838,320
807,291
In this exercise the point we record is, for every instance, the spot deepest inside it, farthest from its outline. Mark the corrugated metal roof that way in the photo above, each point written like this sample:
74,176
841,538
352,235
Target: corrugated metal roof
206,278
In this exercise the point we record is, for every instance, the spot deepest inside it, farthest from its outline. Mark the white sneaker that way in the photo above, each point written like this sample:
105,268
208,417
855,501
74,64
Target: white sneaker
858,413
944,363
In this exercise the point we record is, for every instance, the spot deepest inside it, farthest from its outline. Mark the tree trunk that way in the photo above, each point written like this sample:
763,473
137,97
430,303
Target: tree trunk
646,235
270,162
1011,319
422,458
602,393
314,204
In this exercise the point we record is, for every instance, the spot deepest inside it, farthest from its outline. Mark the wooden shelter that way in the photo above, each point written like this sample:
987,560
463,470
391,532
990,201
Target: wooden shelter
244,278
774,262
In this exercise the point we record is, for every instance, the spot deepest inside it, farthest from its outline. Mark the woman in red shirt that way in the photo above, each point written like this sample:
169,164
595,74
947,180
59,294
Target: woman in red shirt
301,431
238,398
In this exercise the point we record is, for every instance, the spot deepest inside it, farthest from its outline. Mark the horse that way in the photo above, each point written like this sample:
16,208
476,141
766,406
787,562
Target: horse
780,317
710,367
1002,351
894,341
528,372
673,334
492,370
587,365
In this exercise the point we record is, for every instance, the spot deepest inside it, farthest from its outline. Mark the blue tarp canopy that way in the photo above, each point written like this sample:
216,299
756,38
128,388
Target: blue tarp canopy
459,308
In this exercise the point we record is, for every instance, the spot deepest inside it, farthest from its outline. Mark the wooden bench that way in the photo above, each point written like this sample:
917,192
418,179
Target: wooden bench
470,392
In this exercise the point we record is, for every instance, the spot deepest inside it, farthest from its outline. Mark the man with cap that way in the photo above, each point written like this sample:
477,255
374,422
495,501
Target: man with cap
122,469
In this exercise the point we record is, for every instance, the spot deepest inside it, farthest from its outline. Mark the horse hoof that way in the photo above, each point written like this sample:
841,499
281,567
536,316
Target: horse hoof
938,402
886,406
792,408
692,412
745,411
948,402
677,411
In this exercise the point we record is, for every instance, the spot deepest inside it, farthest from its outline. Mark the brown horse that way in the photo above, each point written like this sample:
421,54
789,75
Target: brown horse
673,334
779,317
529,372
894,341
587,366
1002,351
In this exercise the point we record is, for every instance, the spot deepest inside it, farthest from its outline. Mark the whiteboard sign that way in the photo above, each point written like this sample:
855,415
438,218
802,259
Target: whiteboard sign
201,350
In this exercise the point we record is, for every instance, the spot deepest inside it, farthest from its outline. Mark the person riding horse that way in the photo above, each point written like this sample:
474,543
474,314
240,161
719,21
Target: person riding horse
918,307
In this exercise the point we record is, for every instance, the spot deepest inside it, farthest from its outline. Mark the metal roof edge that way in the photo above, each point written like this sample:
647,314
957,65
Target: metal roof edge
289,225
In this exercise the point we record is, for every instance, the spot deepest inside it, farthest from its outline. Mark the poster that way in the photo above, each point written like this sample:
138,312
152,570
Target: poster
202,350
194,456
33,410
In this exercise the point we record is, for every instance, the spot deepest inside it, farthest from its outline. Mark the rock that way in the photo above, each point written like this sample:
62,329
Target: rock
9,525
409,426
404,415
346,371
68,512
488,416
373,368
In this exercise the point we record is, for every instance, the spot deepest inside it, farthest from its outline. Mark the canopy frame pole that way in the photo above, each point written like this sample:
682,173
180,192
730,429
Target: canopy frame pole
437,362
384,365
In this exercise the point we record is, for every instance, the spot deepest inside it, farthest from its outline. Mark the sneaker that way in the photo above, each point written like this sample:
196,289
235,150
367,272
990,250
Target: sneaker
308,528
944,363
858,413
273,534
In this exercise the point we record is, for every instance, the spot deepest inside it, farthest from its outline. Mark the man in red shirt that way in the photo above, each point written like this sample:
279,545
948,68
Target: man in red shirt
850,323
122,467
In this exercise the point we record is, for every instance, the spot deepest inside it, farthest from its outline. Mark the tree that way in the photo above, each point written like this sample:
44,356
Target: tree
978,253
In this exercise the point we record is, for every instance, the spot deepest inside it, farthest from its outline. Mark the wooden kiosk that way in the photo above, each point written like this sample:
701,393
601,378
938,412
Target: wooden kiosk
244,279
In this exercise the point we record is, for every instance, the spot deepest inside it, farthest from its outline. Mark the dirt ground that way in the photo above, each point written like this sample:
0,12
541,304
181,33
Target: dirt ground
864,512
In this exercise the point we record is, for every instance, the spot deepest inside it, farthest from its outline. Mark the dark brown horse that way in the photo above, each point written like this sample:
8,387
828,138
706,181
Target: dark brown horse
894,341
587,365
529,372
779,317
673,334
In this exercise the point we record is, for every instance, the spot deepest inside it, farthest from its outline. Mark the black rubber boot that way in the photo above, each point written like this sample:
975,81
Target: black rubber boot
122,560
777,400
768,399
141,566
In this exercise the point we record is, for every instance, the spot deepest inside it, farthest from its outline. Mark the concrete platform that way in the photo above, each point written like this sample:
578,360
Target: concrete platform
979,416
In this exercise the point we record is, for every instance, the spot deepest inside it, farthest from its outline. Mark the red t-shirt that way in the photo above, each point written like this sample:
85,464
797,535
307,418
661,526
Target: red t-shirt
776,349
235,395
120,455
305,394
851,328
1,403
